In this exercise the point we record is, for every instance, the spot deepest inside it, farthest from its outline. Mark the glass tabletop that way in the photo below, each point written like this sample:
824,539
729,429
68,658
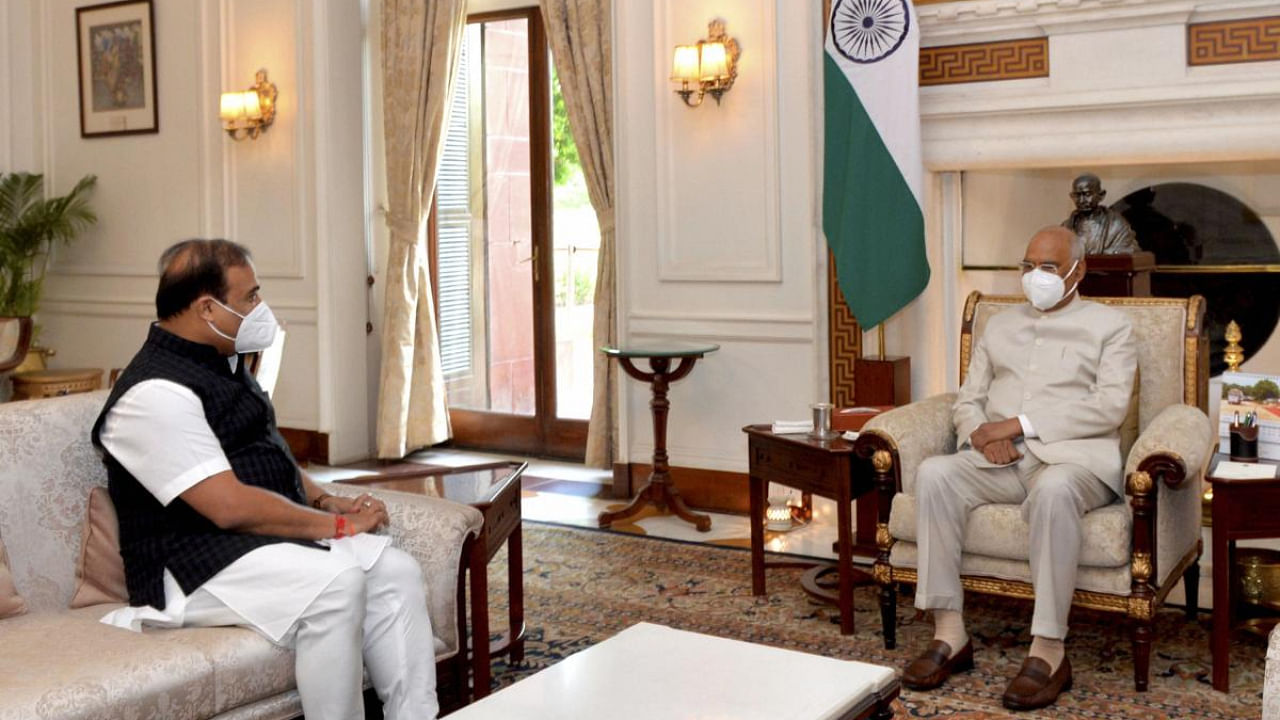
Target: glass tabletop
467,486
660,348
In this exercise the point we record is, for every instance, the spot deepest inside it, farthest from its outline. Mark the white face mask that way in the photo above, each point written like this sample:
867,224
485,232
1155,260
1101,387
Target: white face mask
257,329
1045,289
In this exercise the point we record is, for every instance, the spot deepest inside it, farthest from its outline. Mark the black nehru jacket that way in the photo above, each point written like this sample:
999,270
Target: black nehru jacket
154,537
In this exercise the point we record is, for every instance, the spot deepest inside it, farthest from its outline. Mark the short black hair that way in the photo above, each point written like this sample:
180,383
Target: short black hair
193,268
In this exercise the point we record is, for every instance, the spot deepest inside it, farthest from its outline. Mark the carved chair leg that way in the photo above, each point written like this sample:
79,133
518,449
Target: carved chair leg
884,712
1141,630
889,615
1191,588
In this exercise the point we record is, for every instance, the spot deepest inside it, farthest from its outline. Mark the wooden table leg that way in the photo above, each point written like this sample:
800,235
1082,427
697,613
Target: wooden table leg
844,512
480,670
756,518
515,585
1222,606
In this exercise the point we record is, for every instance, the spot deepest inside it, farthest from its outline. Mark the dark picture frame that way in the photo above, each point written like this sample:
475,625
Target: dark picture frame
116,69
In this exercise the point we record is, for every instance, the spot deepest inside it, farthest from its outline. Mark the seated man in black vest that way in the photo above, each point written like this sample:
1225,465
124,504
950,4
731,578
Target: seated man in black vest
219,526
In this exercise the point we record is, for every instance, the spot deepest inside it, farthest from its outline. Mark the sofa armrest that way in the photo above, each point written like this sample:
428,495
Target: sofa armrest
1171,452
1175,446
917,431
433,531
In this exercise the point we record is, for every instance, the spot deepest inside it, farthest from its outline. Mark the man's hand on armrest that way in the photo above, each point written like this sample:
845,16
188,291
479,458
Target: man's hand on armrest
232,505
990,432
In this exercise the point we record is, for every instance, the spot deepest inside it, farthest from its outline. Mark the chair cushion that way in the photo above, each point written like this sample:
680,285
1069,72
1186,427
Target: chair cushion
1112,581
95,670
11,603
998,531
100,569
1129,428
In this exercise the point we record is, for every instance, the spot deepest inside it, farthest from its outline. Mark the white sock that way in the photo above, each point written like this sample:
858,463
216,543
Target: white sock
948,626
1049,650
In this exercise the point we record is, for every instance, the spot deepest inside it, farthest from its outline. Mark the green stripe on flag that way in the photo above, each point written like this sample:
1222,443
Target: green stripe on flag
873,223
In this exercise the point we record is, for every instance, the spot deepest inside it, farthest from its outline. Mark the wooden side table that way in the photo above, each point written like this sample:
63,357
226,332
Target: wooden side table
1242,510
55,383
659,491
821,467
495,492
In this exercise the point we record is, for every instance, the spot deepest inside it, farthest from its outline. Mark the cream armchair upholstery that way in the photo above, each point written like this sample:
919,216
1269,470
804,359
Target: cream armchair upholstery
1136,549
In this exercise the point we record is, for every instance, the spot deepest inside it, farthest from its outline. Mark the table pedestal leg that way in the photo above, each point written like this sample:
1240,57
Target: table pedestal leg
659,491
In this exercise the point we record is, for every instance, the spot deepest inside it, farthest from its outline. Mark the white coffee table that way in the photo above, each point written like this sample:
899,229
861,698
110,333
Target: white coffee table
653,672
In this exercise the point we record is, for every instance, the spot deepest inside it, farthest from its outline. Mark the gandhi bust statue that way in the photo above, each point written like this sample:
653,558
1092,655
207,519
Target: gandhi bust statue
1104,231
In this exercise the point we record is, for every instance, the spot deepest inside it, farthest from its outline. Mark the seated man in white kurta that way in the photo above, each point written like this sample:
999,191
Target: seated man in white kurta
219,526
1038,422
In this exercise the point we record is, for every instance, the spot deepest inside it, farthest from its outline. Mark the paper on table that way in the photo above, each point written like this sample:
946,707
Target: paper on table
1228,470
850,435
791,427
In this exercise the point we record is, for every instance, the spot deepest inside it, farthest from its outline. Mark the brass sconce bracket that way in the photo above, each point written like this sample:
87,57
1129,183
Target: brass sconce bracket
720,84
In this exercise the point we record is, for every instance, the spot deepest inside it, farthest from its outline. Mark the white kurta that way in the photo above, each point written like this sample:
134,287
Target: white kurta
157,430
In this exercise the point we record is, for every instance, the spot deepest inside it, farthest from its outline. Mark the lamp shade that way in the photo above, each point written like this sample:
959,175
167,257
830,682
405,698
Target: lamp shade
239,106
715,65
232,106
684,65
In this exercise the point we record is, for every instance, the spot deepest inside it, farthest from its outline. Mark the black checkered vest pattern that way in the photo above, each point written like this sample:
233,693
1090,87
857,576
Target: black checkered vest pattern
154,537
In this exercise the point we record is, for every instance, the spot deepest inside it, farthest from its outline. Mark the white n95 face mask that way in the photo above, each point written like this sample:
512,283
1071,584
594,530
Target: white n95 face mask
1045,289
257,329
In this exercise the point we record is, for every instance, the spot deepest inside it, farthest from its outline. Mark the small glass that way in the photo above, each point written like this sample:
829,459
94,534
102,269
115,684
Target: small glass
822,421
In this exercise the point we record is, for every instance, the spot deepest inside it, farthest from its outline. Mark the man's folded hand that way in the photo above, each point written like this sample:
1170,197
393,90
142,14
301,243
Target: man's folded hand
990,432
1001,452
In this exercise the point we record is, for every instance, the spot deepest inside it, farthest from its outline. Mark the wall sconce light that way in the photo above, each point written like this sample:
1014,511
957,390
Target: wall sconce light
245,114
711,66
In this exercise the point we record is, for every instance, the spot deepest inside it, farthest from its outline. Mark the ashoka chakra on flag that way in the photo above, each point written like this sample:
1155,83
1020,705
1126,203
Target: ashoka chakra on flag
867,31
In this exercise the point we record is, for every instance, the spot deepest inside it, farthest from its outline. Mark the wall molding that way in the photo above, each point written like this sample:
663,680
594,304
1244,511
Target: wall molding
722,326
1233,41
672,267
984,62
291,312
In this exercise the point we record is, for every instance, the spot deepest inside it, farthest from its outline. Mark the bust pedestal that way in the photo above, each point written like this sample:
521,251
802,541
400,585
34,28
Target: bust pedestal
1118,275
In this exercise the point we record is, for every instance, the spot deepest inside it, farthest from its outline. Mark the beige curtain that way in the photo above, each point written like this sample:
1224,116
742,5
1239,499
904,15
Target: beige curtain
421,40
581,37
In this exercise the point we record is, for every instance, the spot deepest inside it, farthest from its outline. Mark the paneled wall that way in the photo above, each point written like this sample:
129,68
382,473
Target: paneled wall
295,195
717,222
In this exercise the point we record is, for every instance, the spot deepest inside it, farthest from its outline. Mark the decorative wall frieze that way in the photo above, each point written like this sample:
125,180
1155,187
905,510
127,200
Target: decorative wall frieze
982,62
1233,41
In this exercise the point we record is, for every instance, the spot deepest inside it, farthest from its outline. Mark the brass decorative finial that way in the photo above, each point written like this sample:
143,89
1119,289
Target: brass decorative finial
1234,354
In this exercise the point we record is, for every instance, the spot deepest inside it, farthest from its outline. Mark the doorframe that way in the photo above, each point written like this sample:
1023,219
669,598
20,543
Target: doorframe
542,433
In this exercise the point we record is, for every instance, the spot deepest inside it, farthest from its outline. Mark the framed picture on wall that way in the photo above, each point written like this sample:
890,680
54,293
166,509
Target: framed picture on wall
116,49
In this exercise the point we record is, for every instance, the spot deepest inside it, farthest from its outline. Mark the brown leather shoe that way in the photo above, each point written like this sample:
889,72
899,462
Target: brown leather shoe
936,664
1034,687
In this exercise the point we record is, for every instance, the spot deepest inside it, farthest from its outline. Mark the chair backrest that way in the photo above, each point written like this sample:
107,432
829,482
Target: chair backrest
265,365
1172,341
48,469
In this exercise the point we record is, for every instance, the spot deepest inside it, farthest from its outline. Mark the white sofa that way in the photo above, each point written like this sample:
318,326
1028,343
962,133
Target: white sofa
60,663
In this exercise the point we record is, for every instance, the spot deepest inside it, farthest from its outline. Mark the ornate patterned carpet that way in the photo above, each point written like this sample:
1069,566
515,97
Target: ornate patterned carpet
582,586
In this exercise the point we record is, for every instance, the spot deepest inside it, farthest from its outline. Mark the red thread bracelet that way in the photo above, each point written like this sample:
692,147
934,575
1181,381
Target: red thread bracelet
340,526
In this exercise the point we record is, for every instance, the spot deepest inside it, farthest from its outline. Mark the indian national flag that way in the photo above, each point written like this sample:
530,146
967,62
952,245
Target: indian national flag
872,170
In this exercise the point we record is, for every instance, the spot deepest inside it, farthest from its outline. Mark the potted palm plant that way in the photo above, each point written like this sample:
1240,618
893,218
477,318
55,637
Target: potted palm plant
30,226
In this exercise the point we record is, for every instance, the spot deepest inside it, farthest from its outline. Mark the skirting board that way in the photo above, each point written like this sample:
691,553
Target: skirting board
308,446
727,492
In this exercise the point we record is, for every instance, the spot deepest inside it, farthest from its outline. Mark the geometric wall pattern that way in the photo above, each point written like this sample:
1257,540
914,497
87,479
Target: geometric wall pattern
1233,41
984,62
845,344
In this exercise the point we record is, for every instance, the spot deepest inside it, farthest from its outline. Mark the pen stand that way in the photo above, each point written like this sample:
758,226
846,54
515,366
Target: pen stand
1243,443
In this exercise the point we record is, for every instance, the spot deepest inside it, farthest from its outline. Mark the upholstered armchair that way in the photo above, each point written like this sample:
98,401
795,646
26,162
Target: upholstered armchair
1135,549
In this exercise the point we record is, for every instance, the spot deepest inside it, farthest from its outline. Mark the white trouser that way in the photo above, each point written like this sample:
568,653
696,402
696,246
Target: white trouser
380,615
1054,498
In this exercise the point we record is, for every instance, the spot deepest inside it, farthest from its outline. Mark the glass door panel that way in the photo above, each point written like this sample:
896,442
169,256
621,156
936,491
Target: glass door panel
575,247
